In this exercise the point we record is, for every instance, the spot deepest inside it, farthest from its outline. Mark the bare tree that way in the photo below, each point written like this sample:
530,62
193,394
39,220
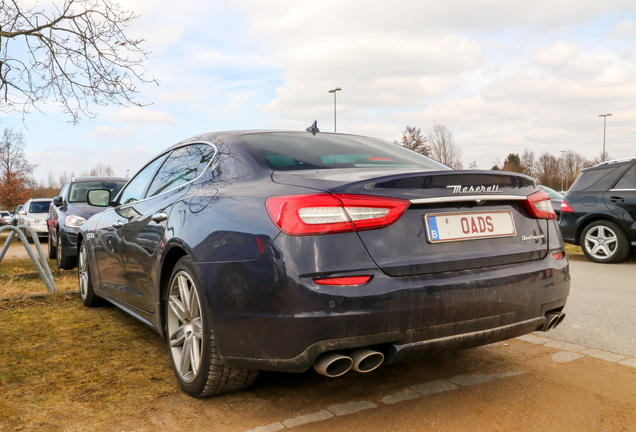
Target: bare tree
76,54
16,173
528,162
100,170
443,148
548,172
413,139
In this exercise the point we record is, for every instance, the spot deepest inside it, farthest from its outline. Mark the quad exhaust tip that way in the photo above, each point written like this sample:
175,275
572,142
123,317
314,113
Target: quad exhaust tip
361,360
553,319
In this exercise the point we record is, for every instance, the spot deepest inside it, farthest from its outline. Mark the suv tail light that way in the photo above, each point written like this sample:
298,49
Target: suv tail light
326,213
538,205
565,207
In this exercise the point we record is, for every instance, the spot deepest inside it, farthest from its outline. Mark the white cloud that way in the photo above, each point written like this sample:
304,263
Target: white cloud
136,115
624,30
111,133
557,55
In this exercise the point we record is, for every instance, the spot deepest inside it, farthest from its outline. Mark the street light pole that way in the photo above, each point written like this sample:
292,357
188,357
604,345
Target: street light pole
562,170
337,89
604,128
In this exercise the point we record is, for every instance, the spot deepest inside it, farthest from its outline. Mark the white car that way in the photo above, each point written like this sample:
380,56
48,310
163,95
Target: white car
34,214
5,217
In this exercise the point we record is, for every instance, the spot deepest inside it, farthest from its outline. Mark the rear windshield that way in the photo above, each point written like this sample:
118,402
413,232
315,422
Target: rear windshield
80,189
39,207
303,151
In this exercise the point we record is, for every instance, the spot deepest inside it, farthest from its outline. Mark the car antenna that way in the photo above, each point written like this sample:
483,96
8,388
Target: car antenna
313,128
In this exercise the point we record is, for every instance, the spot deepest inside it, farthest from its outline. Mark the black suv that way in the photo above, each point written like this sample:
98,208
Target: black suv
599,211
69,211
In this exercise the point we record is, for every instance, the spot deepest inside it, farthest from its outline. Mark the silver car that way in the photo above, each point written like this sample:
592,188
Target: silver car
34,214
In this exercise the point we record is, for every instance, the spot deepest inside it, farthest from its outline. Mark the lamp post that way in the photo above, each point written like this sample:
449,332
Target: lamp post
337,89
562,169
604,128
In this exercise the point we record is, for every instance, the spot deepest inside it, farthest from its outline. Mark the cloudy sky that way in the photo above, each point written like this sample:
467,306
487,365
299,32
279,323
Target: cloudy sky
502,76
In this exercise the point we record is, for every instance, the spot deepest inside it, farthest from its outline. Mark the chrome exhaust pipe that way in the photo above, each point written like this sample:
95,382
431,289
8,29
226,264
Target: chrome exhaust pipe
553,319
333,364
366,360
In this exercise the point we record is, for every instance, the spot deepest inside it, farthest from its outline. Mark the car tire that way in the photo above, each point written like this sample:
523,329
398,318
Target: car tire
89,298
190,336
604,242
52,249
63,262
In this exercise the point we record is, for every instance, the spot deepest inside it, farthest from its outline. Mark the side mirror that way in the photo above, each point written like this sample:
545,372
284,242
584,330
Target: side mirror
58,201
22,212
98,197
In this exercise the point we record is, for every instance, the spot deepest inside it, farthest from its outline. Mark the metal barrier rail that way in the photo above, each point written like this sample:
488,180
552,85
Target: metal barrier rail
42,265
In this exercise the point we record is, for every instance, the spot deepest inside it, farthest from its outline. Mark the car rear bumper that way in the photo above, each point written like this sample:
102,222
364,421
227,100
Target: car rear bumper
285,324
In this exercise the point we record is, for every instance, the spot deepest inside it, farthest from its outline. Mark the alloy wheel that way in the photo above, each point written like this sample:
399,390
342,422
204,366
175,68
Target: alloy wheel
185,326
601,242
82,272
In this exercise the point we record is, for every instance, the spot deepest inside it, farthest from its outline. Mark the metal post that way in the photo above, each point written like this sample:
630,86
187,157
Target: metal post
337,89
604,128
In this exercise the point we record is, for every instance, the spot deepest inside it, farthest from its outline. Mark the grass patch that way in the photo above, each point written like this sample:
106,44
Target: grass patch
573,251
19,277
60,361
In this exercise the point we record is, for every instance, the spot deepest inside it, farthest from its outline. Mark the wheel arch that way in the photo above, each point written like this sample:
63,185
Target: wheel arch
170,259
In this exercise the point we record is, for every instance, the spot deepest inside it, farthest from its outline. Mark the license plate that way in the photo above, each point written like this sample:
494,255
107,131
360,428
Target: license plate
449,227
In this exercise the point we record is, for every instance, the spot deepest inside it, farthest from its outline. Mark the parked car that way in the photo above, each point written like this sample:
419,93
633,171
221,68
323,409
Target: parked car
5,217
34,213
599,211
281,251
555,198
69,211
16,215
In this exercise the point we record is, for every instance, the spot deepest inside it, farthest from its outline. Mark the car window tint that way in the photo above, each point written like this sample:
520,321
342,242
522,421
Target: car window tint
183,165
134,190
628,181
39,207
589,178
293,151
80,189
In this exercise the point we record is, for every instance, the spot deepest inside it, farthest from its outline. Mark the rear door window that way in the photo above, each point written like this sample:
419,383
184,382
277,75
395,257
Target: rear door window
628,181
182,166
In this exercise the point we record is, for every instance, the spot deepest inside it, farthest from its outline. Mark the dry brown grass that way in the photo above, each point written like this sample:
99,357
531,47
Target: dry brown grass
60,361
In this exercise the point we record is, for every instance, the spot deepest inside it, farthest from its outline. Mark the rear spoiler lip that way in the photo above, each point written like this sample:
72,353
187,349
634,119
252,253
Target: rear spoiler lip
464,198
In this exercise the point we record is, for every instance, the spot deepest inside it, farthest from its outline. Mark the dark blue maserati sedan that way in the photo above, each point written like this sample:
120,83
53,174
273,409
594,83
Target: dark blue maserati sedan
276,250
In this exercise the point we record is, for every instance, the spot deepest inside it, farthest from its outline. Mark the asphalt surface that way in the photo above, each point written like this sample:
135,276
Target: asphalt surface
601,308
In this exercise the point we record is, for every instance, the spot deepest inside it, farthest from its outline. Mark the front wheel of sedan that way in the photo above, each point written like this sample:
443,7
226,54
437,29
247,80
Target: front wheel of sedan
63,261
51,248
199,369
604,242
85,283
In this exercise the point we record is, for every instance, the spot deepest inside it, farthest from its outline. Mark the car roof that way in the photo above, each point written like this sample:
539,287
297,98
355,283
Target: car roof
96,178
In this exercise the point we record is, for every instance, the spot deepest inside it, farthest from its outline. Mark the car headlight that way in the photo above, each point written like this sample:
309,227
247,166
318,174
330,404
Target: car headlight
74,221
36,222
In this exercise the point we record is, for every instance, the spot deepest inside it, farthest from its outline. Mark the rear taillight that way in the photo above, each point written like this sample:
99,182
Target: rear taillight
344,281
538,205
565,207
325,213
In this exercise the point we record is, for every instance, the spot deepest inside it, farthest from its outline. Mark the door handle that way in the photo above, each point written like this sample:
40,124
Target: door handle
159,217
617,199
118,224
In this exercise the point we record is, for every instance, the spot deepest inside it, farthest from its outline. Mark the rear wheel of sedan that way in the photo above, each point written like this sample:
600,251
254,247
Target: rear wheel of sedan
85,283
199,369
604,242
